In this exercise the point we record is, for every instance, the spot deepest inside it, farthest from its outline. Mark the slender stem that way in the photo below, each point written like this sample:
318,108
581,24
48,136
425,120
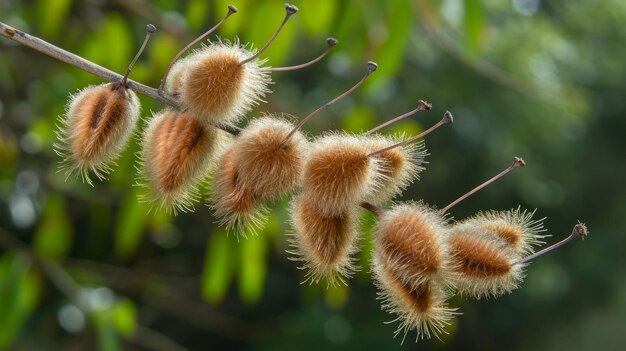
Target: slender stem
447,119
422,105
149,30
517,162
330,42
579,231
79,62
290,9
231,9
371,67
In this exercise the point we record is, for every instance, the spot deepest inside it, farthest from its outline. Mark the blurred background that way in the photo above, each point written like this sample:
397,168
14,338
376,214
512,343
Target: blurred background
85,268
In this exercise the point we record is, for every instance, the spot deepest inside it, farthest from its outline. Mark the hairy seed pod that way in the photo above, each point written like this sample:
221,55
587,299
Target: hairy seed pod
400,166
234,205
421,307
338,174
177,77
96,128
218,88
484,268
177,152
266,166
514,229
409,241
325,244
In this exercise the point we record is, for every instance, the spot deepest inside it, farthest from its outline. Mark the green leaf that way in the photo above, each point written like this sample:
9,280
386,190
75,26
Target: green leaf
337,296
473,20
130,225
53,236
253,268
368,221
236,23
317,16
125,317
52,15
350,27
117,34
20,291
217,271
406,127
359,120
162,50
106,333
196,14
390,55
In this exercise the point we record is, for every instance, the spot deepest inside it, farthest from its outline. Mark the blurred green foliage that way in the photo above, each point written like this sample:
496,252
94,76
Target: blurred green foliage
531,78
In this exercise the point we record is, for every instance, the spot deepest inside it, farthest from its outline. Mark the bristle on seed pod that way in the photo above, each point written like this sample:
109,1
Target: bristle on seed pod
338,174
96,128
325,244
177,68
177,152
409,241
219,89
267,166
399,167
484,268
235,206
177,77
98,124
421,307
515,229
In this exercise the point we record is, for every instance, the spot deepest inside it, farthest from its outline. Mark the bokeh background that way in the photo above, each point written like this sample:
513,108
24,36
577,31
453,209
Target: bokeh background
85,268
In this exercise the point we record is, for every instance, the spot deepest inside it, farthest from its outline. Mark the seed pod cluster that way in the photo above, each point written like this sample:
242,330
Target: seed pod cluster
420,258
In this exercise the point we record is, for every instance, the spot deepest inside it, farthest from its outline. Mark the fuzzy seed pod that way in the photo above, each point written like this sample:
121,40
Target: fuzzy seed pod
96,128
267,168
338,174
409,241
400,166
234,205
421,307
484,268
514,229
177,152
177,77
218,88
325,244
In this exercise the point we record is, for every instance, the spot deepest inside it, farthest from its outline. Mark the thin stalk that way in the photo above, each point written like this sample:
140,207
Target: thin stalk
447,119
330,42
517,162
422,105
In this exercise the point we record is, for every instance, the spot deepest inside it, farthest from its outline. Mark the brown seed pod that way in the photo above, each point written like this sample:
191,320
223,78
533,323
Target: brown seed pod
514,229
483,266
176,154
177,78
338,174
409,241
266,166
218,88
234,205
96,128
325,244
421,307
399,166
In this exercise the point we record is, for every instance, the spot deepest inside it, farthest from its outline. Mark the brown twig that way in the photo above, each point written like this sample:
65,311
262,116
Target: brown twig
81,63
